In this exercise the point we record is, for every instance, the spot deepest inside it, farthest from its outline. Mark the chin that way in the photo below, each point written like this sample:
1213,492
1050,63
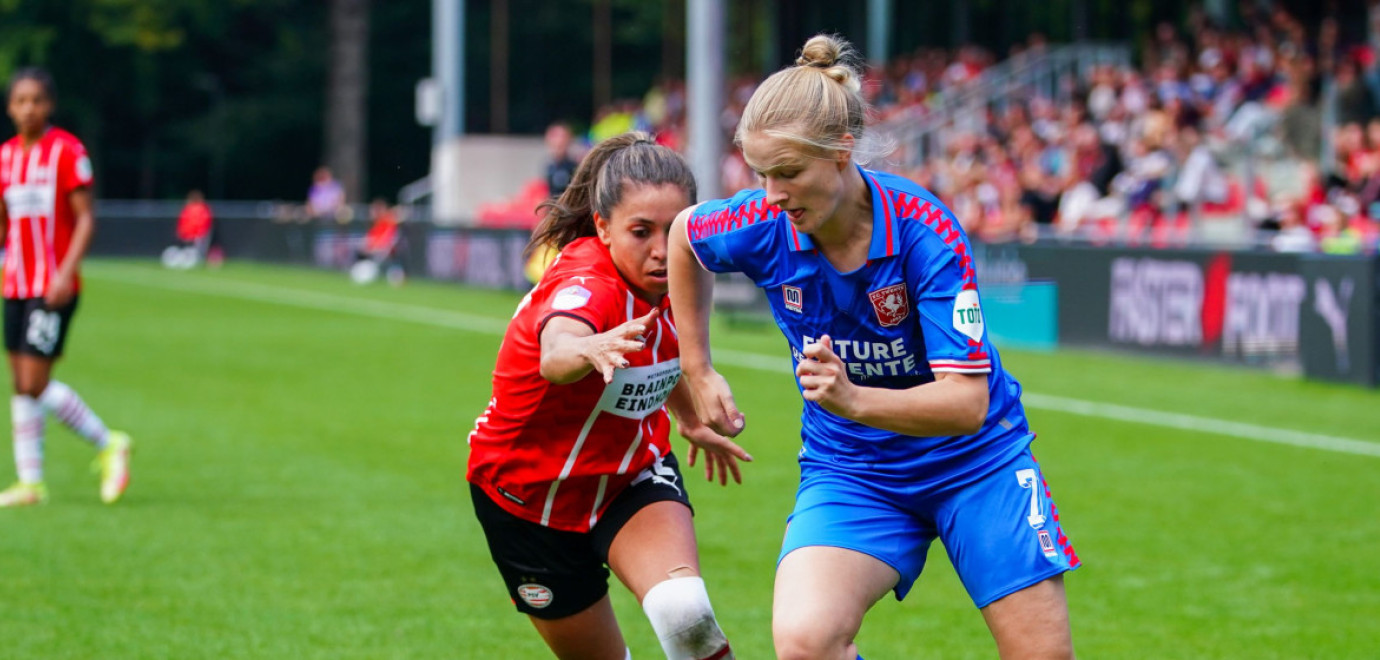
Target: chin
809,225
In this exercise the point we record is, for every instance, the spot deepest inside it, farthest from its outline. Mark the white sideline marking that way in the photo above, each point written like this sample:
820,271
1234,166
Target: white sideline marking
1200,424
488,325
1124,413
326,302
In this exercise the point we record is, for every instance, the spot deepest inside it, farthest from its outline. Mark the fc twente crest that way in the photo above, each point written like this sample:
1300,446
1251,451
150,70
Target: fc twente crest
890,304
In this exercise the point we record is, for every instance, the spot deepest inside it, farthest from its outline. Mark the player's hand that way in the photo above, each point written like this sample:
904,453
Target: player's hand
714,404
59,291
824,378
721,455
605,350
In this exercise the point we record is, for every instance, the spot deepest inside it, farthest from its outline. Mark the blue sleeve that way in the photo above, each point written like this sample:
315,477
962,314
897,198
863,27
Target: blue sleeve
735,235
941,273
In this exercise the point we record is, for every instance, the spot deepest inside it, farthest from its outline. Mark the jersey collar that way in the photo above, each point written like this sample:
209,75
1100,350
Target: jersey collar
885,241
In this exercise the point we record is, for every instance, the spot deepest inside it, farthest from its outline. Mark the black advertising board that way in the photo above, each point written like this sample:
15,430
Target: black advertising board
1314,314
1338,331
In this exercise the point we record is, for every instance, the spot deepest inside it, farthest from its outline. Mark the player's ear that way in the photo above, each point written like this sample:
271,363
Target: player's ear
843,153
601,227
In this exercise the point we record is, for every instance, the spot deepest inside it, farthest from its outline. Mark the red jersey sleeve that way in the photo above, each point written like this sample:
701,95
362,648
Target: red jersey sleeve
591,299
74,168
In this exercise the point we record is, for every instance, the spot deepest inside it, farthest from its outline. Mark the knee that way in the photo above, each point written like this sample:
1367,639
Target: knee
30,386
683,619
799,639
1059,647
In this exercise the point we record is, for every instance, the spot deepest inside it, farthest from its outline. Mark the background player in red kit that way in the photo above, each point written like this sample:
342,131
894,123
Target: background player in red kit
570,464
45,184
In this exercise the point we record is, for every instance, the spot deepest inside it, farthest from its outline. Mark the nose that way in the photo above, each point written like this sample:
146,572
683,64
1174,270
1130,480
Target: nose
775,195
658,247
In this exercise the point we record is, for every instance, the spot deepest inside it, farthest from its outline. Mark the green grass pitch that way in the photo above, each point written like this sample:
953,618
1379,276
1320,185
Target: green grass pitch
298,492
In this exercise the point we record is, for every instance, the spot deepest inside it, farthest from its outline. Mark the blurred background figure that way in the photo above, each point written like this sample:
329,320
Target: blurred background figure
195,236
326,197
379,249
46,210
560,170
561,166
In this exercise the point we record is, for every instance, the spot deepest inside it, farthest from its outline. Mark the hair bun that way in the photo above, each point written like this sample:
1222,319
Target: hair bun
821,51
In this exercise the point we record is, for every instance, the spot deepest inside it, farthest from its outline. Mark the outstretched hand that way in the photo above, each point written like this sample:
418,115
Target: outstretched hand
824,378
605,350
714,404
721,454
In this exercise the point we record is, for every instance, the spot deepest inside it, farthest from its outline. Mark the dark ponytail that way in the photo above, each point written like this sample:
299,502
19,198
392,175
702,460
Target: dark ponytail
597,187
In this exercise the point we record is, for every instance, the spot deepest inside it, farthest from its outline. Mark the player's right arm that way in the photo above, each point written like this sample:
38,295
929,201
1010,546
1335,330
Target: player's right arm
692,298
571,349
4,219
720,454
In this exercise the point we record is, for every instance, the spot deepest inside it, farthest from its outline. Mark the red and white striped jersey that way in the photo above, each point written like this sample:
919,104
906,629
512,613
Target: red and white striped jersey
36,184
557,454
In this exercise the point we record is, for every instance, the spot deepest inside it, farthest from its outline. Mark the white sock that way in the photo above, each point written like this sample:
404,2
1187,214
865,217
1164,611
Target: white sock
684,621
63,402
27,416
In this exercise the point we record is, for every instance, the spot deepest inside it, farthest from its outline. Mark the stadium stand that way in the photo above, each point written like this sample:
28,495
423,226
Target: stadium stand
1266,136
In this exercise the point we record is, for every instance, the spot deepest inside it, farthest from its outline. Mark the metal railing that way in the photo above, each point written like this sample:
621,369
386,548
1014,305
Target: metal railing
276,210
1050,74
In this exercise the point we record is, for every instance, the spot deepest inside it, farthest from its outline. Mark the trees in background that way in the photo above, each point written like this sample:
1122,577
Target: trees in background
228,96
346,111
244,98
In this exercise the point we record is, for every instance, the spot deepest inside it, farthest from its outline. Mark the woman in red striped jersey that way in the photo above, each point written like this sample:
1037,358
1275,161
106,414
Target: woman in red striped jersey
570,465
46,215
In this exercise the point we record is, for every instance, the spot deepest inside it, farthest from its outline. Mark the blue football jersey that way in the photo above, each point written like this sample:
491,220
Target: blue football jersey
912,311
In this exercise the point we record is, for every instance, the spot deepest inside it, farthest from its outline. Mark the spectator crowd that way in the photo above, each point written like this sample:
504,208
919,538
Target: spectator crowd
1266,132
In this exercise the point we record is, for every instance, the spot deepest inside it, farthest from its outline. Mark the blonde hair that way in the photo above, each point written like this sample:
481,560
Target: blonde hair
815,103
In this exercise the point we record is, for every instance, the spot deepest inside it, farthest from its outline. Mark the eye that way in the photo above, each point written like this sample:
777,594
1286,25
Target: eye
640,232
789,174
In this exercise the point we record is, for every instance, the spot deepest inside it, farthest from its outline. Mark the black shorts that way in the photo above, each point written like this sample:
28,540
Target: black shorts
33,329
551,573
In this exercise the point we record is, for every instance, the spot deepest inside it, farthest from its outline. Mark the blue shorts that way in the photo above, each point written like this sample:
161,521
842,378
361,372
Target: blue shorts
1001,531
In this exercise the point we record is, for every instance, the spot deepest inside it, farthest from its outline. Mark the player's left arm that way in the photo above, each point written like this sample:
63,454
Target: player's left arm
691,289
74,179
721,454
954,404
60,290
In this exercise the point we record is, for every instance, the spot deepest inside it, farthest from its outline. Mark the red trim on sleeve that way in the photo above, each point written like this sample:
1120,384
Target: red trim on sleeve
961,366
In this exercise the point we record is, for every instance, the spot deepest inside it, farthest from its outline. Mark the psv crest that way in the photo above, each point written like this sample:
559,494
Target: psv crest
890,304
535,595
